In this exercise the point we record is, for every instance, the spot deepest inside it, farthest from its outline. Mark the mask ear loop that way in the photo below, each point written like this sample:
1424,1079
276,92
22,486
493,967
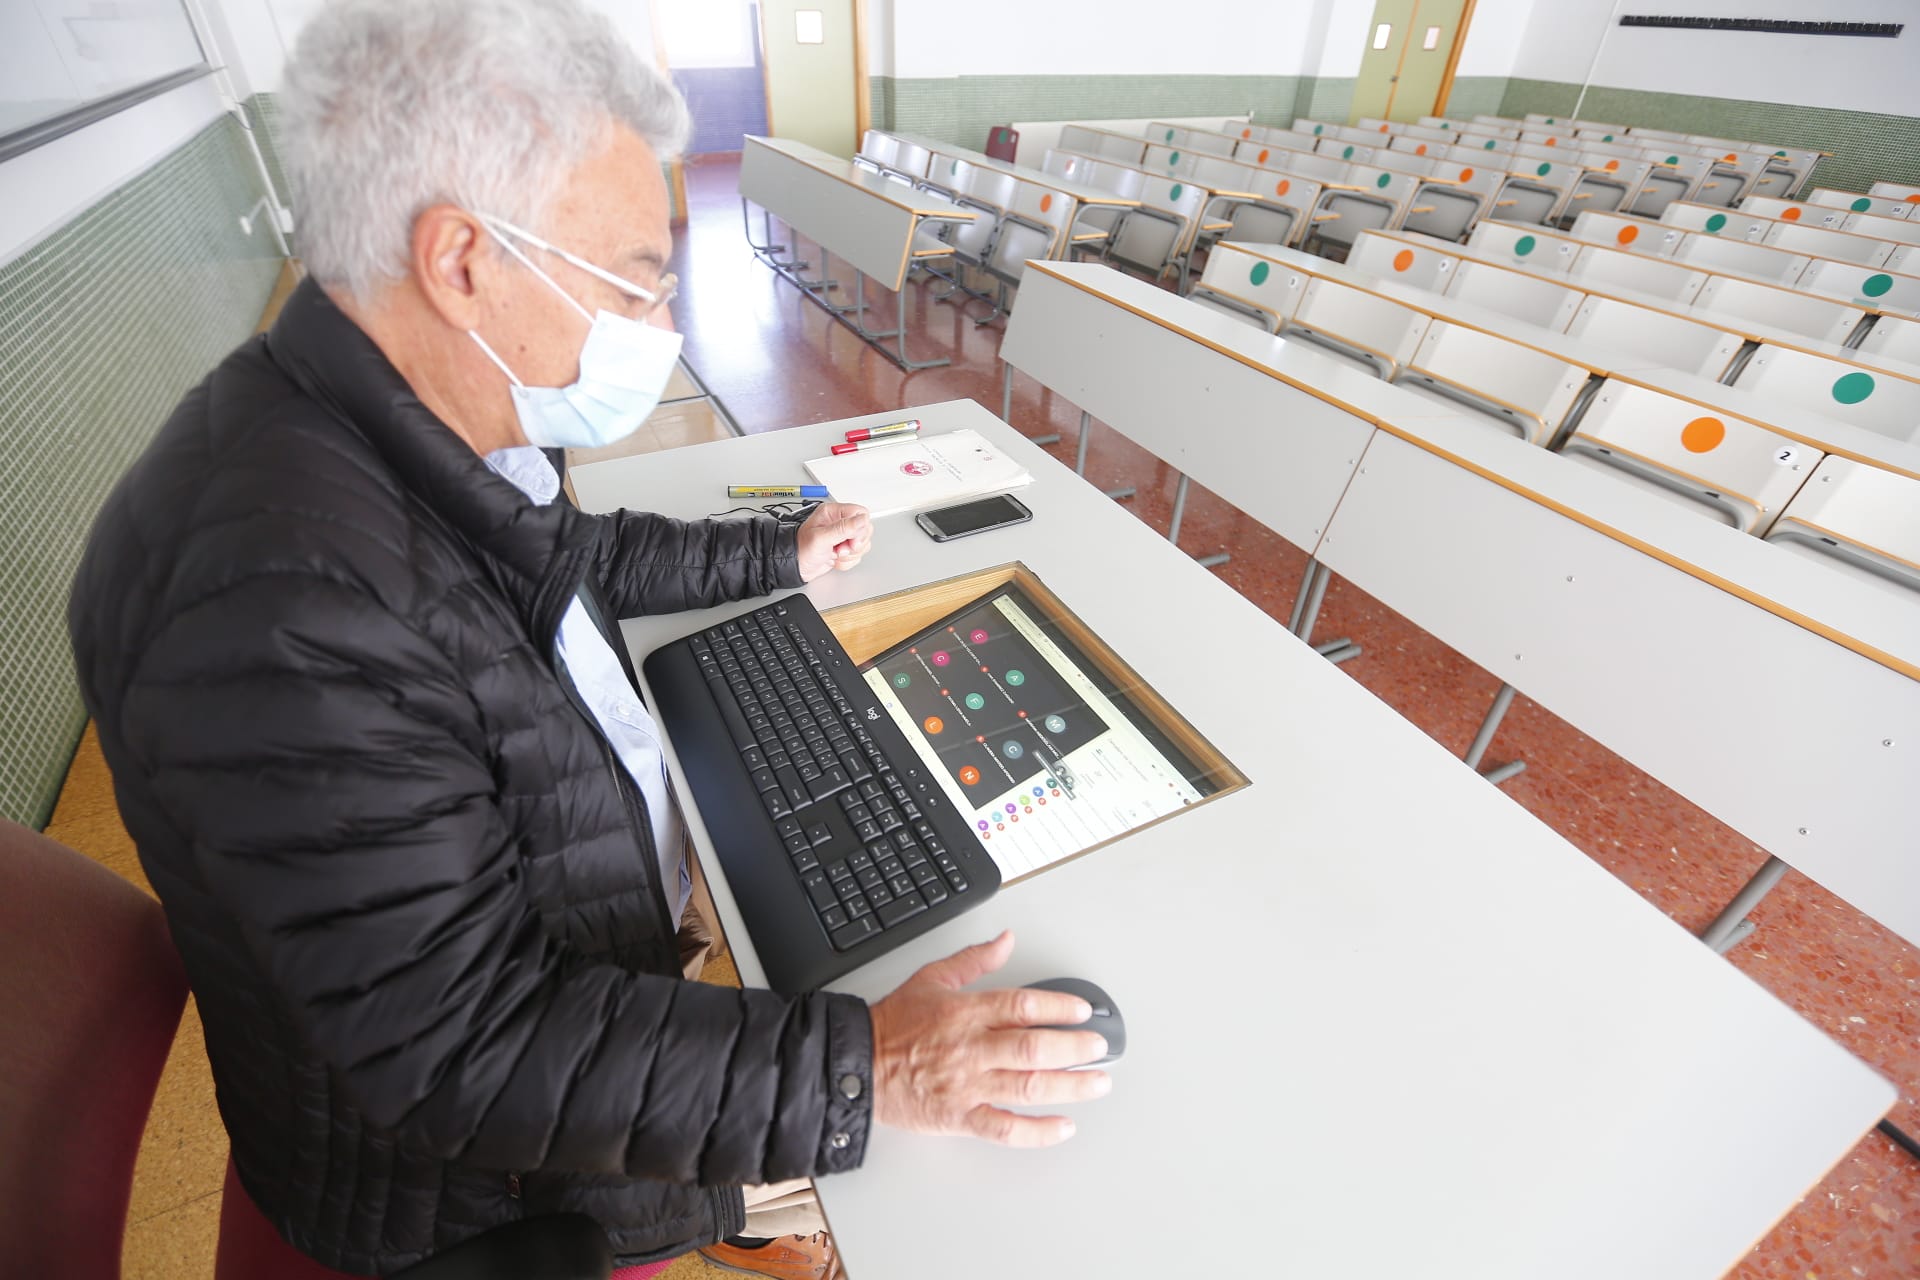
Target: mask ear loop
498,362
529,264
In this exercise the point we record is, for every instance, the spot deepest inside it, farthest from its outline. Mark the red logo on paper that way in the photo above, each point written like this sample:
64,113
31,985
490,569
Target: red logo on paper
916,468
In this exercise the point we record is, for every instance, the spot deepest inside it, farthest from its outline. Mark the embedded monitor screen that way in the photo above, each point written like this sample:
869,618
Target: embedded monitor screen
1044,752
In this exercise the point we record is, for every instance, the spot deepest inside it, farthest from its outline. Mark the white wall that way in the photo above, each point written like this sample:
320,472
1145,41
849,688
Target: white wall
1340,40
880,37
1849,72
1115,37
1495,36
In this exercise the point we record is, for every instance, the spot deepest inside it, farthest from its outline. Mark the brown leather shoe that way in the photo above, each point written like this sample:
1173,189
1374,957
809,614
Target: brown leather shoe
787,1258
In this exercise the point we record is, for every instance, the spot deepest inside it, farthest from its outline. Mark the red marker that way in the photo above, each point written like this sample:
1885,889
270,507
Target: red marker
854,446
907,428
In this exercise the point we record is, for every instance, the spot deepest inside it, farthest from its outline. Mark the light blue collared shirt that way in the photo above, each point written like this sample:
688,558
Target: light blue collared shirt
602,682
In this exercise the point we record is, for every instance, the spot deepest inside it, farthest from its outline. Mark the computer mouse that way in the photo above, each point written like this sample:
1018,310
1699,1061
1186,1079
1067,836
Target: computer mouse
1106,1014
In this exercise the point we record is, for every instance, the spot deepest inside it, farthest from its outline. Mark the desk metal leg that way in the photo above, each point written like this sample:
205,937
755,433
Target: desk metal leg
1731,925
1483,739
1086,438
1179,514
900,311
1006,392
1306,611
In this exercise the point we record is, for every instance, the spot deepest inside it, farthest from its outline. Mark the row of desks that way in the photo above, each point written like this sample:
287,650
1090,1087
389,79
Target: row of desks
1782,698
1361,999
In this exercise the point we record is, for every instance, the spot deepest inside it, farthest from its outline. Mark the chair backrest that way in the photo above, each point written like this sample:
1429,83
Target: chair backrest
1803,212
1854,202
1740,473
1485,143
1171,161
88,1010
1728,224
1527,247
1904,231
1104,174
1862,286
1352,152
1871,398
1035,227
1776,307
1896,191
1535,299
1895,338
879,147
1374,331
1273,288
1527,391
1822,242
1735,257
1860,516
1003,143
1310,165
1626,233
1661,277
1659,337
910,158
1390,258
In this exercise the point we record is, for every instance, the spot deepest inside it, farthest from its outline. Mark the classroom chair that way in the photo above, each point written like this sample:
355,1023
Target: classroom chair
1854,201
1869,287
1706,460
1859,518
1527,247
1390,257
1824,242
1727,224
1800,211
1766,262
1895,338
1659,337
1793,310
1533,299
1239,282
1003,143
1376,333
1872,398
1625,232
1606,269
1526,391
1896,191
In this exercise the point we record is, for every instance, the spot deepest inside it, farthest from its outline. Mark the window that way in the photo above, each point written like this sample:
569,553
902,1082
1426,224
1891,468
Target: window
1432,40
809,26
1382,34
706,33
69,63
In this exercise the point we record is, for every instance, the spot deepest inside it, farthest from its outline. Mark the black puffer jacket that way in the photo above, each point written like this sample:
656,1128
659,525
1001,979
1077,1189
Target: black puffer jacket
417,898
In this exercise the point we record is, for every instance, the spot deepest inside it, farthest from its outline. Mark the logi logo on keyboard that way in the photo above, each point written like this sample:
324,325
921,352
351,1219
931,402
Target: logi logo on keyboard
873,713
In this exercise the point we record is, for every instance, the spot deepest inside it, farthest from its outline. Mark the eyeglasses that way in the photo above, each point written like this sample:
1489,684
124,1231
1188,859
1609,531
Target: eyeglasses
656,298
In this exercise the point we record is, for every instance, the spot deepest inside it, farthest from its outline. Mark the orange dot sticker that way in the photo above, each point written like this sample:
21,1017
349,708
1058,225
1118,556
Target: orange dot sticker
1246,133
1383,128
933,724
1466,175
1914,198
1553,142
1046,203
1627,235
1703,435
1420,150
969,776
1402,260
1613,166
1263,156
1790,215
1730,158
1283,186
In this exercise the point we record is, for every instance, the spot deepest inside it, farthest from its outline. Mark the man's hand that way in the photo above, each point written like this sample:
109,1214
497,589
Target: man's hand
949,1061
834,536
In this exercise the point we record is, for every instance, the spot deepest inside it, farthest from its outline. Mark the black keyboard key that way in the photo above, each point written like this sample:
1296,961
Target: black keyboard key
902,884
856,812
910,809
819,833
880,851
869,877
860,861
776,802
889,866
736,723
808,770
788,827
763,780
924,874
838,871
879,896
903,840
867,830
890,821
872,788
820,889
958,881
796,790
857,906
797,845
903,908
848,889
853,933
804,862
934,892
833,918
754,758
830,782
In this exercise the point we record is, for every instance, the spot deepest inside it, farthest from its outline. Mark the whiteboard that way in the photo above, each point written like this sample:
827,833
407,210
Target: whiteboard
58,58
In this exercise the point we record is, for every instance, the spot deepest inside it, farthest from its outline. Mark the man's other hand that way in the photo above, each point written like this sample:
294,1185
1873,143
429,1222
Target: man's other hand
834,536
951,1061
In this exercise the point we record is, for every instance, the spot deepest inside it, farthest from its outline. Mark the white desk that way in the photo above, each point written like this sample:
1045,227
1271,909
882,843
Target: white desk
1410,1040
1080,192
870,221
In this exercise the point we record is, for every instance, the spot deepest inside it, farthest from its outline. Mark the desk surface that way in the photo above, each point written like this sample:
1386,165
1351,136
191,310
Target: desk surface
1407,1025
1080,191
924,203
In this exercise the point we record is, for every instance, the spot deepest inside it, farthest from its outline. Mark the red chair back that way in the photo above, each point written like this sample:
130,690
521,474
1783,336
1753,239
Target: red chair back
1003,143
90,996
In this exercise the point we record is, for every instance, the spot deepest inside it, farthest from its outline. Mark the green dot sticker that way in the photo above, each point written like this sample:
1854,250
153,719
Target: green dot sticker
1861,205
1546,167
1347,154
1716,222
1176,193
1318,130
1549,119
1016,678
1852,388
1489,145
1607,138
1525,245
1876,285
1169,135
1383,180
1673,159
975,702
1780,155
902,680
1174,158
1260,272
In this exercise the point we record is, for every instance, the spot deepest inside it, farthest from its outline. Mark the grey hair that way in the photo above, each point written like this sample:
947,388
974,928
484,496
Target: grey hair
393,106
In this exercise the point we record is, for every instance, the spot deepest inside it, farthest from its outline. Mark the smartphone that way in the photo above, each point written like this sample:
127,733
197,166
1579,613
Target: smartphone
997,512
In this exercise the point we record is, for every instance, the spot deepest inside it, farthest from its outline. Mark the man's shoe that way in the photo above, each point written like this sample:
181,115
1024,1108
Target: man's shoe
787,1258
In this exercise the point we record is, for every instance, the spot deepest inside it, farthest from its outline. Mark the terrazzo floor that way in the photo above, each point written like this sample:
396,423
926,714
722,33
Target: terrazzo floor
776,360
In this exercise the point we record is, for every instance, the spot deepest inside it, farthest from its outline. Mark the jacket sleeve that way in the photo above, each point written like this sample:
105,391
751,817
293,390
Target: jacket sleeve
652,564
328,766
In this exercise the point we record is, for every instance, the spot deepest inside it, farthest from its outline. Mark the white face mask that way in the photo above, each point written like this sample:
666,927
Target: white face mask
624,363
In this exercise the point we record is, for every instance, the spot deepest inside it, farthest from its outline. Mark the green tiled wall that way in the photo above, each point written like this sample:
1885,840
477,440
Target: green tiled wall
263,114
1866,147
1326,98
961,109
1474,96
103,326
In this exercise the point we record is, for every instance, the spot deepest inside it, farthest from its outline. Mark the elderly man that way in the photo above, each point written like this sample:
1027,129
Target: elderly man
353,669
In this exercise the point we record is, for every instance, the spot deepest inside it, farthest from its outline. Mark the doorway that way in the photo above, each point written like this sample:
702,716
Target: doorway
816,71
1412,48
712,49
